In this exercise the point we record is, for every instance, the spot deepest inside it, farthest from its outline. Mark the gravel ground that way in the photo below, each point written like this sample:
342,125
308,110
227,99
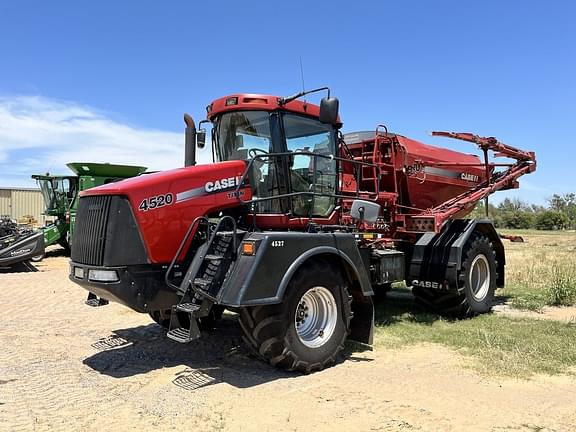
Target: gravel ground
66,366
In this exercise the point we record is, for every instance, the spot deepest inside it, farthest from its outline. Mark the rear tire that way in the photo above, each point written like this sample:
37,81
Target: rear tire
477,283
307,331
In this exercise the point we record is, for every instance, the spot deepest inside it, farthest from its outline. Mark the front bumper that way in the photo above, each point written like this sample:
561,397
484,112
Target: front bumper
141,288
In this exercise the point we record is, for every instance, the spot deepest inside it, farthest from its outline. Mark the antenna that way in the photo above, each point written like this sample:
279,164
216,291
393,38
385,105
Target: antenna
302,76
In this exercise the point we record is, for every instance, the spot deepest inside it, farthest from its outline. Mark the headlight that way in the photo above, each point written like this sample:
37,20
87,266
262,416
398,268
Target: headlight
79,272
102,275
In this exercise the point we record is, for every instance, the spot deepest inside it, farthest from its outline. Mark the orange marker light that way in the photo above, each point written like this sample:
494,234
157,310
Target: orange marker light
248,248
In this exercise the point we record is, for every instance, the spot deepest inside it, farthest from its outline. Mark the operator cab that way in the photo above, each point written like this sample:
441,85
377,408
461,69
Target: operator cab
291,153
58,192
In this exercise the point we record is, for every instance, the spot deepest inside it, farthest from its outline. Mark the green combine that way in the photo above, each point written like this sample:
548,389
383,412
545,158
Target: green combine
61,195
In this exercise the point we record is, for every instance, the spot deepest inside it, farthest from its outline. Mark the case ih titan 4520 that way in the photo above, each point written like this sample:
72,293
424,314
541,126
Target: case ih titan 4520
295,227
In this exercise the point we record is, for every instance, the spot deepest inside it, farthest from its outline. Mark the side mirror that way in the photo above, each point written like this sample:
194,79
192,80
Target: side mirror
365,211
201,138
329,110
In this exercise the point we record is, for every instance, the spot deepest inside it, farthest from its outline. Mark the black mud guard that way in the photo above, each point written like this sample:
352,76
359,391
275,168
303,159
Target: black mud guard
23,249
264,277
437,257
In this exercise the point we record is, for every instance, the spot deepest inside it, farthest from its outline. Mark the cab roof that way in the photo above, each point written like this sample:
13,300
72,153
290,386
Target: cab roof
251,101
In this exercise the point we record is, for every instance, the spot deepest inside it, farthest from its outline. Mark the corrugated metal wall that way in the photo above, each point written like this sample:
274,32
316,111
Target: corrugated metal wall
22,202
5,202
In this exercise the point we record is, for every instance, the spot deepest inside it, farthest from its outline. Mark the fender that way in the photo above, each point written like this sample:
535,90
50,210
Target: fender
356,275
262,279
437,257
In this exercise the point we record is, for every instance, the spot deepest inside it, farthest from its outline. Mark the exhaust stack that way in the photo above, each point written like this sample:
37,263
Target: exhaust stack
189,141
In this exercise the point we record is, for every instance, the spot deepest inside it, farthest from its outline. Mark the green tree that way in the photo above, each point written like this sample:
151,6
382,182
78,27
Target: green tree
515,213
513,205
519,219
565,204
552,220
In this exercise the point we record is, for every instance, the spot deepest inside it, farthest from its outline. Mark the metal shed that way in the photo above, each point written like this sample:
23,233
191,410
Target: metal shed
19,202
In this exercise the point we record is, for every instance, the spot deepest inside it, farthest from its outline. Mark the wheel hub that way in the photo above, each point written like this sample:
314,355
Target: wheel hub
315,317
479,277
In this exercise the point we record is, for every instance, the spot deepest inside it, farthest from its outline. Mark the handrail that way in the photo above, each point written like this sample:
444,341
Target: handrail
234,239
241,182
180,248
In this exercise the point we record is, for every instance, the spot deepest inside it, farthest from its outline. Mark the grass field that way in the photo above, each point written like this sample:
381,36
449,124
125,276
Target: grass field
499,345
541,271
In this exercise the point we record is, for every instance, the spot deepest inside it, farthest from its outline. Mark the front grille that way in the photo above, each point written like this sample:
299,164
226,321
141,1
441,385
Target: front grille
90,230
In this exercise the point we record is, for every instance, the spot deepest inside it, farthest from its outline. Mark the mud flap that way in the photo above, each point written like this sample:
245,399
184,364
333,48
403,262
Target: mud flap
362,323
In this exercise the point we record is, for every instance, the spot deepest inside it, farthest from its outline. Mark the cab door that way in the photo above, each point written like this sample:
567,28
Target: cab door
312,170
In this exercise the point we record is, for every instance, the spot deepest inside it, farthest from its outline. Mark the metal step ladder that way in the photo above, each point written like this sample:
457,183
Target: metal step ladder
200,285
184,321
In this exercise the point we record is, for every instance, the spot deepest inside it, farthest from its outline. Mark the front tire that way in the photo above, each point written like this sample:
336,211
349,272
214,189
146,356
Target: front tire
307,331
161,317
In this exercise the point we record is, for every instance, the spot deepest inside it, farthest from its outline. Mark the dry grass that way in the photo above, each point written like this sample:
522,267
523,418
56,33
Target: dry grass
541,271
498,345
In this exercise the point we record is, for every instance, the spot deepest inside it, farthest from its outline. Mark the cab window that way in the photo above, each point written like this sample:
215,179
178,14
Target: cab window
307,172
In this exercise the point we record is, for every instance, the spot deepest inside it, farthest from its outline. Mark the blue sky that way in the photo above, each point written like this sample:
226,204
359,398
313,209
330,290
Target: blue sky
109,80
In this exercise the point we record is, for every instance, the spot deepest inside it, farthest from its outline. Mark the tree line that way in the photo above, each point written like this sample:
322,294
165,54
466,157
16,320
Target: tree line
559,214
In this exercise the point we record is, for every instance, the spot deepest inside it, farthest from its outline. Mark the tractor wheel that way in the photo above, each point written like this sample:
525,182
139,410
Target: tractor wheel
308,329
37,258
477,283
161,317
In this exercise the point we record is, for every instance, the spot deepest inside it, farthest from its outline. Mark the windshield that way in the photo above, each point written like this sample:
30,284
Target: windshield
47,192
243,135
57,193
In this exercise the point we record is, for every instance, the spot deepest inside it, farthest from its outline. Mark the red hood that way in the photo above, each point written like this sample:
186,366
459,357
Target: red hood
165,203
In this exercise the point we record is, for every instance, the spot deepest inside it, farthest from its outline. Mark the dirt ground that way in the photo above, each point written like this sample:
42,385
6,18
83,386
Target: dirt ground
67,366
